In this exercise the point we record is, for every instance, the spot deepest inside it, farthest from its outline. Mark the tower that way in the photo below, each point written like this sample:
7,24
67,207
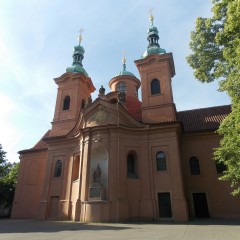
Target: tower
126,82
127,85
74,90
156,69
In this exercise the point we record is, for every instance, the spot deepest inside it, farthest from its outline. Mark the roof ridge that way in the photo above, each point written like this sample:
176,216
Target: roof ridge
199,109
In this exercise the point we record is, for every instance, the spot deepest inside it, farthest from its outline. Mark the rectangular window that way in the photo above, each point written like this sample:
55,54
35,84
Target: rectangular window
161,161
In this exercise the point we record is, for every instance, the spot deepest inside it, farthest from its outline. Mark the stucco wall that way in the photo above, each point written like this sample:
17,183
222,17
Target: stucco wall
29,184
220,202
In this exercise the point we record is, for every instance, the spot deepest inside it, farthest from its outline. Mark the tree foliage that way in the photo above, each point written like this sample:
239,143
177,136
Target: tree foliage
4,165
216,55
8,179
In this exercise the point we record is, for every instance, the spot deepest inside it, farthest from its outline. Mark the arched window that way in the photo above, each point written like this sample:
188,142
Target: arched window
121,87
194,166
131,166
220,167
161,161
155,87
136,91
83,104
66,103
58,169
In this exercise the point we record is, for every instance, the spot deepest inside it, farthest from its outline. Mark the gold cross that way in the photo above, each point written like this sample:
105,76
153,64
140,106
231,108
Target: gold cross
80,36
151,15
124,57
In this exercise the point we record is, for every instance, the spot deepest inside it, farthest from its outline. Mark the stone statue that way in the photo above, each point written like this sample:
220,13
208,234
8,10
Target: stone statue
97,175
89,100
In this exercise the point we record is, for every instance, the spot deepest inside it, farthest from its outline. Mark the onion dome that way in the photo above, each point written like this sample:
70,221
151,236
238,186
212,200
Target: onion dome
78,55
153,46
124,72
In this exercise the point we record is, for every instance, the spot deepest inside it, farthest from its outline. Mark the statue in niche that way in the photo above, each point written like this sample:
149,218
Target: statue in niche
97,189
97,174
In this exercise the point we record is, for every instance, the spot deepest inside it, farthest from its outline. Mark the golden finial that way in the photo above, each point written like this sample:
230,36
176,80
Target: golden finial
151,15
124,57
80,36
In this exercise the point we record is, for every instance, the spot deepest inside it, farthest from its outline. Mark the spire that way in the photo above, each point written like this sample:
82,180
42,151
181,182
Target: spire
153,46
80,36
124,71
78,55
151,16
124,60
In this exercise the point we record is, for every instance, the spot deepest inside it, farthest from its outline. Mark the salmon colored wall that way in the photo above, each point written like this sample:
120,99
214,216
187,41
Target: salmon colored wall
159,107
131,83
29,184
135,198
220,202
78,88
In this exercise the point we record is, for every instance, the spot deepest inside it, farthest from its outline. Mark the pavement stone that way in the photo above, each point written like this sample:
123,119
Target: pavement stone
211,229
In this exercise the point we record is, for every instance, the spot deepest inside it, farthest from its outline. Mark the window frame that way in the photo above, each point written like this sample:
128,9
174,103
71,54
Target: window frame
159,164
155,87
134,173
121,87
194,166
57,166
220,167
66,103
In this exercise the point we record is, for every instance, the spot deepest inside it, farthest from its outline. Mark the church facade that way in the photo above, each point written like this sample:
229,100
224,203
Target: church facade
121,159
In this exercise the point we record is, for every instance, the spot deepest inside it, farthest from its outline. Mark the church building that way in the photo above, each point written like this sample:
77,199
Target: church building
121,159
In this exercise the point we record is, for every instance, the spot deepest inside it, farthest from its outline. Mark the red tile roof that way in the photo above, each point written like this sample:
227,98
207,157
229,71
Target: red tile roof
193,120
40,145
133,106
203,118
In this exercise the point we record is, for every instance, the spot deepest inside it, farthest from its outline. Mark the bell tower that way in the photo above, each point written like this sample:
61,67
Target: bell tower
156,69
74,89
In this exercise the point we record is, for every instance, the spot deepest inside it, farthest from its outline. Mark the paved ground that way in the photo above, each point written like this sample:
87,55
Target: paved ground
49,230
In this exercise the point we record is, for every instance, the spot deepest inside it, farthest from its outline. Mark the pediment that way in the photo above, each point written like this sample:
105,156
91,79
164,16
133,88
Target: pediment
101,115
104,113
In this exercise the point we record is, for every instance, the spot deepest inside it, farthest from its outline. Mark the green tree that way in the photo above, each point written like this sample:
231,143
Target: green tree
4,165
216,56
8,179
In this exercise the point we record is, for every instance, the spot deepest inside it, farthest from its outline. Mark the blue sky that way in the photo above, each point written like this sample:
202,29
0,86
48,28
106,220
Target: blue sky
36,42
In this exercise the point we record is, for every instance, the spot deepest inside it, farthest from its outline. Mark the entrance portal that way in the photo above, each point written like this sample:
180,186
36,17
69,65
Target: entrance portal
164,204
200,205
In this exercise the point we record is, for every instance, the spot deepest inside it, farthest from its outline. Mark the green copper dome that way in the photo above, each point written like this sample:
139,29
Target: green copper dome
153,50
77,69
124,72
152,30
153,46
79,49
78,55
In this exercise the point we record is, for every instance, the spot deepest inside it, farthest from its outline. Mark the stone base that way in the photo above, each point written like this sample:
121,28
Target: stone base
97,192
